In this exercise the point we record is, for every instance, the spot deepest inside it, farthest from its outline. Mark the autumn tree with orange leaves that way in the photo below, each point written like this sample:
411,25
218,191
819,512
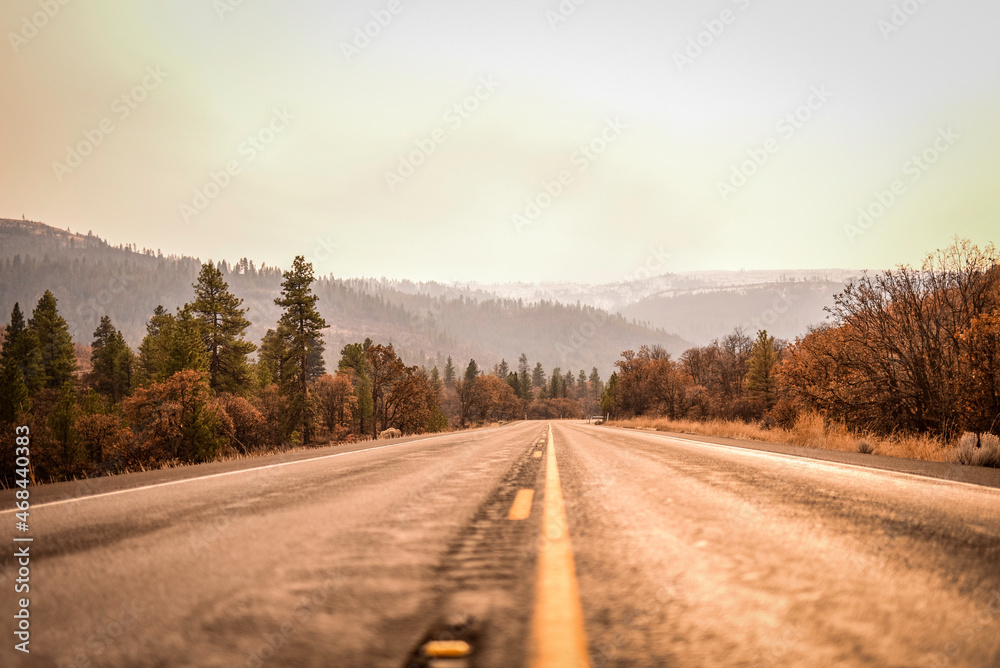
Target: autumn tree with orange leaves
177,419
910,349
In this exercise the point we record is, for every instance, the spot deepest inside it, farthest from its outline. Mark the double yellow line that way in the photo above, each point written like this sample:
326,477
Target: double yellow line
558,637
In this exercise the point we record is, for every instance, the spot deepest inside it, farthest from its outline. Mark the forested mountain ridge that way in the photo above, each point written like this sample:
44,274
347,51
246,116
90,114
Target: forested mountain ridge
91,278
697,306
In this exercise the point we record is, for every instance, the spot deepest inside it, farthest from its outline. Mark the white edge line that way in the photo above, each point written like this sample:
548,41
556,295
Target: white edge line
801,459
219,475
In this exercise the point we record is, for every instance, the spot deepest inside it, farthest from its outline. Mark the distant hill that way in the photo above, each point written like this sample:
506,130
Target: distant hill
786,309
616,296
697,306
91,278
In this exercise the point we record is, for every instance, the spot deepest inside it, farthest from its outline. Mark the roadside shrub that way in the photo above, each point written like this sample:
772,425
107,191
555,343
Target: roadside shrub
809,431
784,413
176,419
981,450
865,447
108,441
249,429
989,452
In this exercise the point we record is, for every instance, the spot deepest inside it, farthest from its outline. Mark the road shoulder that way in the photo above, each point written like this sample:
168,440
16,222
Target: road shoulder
973,475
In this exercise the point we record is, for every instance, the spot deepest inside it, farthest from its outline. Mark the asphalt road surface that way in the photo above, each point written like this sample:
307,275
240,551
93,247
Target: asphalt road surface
519,546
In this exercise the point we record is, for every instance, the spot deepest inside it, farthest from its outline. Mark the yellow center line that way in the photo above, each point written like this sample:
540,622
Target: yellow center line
447,649
558,636
521,509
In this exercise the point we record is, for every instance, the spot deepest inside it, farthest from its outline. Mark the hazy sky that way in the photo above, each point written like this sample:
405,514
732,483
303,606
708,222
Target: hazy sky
350,149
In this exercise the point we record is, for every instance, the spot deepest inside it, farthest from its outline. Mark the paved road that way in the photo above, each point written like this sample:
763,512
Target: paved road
678,553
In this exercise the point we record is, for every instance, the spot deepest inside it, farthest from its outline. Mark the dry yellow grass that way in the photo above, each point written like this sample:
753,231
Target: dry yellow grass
810,431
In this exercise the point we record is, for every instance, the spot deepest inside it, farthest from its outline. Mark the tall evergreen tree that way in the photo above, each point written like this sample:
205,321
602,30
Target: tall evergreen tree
172,343
596,384
149,349
184,348
609,397
503,370
761,383
300,326
20,349
15,400
353,358
315,364
538,376
222,331
557,385
62,427
471,371
514,383
58,357
111,362
449,374
524,378
271,358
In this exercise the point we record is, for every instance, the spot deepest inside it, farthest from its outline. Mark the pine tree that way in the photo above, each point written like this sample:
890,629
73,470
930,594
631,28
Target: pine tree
58,357
222,331
354,360
524,378
15,400
514,383
471,371
557,385
538,376
112,362
179,345
271,359
20,349
152,349
760,379
103,335
596,385
300,327
609,396
62,426
449,374
315,364
503,370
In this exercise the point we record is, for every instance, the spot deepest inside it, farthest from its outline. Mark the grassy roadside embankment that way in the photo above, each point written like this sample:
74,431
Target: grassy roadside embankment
810,431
